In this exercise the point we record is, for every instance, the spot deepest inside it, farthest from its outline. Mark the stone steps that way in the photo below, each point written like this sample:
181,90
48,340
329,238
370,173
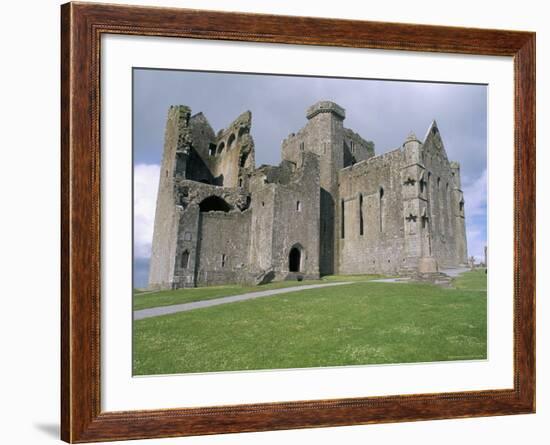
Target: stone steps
438,278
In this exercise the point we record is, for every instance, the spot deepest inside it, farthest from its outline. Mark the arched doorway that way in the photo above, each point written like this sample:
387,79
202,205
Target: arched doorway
295,259
214,203
185,259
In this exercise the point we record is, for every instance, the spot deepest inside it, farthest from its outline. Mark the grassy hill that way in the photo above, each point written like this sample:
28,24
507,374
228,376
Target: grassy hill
355,324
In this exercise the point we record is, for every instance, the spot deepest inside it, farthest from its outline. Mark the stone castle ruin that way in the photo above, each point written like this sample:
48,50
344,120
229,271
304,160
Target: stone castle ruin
330,207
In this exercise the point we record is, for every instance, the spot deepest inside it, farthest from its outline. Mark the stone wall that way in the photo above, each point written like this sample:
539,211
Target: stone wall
190,197
355,148
223,252
262,221
457,206
370,226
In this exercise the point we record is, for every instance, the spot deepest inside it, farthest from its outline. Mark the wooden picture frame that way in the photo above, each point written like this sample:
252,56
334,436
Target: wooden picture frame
82,25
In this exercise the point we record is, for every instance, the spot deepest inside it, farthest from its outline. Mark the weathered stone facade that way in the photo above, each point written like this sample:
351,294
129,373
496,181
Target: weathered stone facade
331,205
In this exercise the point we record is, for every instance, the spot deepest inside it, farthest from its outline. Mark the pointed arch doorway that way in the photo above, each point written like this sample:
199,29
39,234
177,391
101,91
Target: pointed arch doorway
295,259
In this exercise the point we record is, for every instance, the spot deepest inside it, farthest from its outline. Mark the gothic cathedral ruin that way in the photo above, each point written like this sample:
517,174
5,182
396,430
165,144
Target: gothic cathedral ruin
330,207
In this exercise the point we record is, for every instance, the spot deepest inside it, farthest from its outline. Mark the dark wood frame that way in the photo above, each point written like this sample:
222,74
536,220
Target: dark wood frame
81,28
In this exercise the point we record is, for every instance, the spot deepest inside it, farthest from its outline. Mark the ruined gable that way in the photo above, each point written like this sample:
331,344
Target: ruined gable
233,157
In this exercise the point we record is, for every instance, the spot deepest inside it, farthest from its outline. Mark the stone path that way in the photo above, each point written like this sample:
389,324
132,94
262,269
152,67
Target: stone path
184,307
455,272
389,280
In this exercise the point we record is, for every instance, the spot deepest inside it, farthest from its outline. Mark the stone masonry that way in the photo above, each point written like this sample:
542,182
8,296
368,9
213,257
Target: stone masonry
330,207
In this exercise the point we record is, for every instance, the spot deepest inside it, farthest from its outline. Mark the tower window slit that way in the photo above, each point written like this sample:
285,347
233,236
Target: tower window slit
361,227
342,222
381,206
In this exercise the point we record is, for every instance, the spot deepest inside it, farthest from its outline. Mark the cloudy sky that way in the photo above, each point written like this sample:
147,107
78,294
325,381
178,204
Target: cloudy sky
379,110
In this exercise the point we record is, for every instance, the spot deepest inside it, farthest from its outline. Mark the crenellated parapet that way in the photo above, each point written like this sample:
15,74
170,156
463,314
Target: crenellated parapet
326,106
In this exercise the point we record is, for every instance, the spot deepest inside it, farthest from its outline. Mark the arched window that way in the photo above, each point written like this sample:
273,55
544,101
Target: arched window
242,132
221,147
298,206
230,141
422,183
212,150
214,203
185,259
424,219
440,213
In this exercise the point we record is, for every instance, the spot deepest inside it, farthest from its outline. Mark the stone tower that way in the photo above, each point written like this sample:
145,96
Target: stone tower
326,121
336,147
415,204
177,142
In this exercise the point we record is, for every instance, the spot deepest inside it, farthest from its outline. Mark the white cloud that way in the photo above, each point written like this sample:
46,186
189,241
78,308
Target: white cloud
476,243
146,181
475,196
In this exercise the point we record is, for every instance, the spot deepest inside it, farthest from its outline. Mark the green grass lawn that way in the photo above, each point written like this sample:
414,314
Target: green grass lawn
473,280
353,324
144,300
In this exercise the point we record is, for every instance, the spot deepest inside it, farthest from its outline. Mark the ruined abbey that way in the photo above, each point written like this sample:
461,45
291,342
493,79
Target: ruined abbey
332,206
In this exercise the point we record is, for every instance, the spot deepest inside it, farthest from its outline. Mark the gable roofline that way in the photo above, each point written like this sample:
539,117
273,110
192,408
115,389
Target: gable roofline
432,125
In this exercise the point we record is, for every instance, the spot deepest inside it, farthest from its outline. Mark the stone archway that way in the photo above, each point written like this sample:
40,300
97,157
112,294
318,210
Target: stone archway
214,203
295,259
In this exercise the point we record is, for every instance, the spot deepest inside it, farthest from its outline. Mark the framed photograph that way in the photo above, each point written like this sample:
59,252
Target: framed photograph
274,222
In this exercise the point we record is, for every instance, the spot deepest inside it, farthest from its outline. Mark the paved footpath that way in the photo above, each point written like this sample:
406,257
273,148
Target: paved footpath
455,271
184,307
